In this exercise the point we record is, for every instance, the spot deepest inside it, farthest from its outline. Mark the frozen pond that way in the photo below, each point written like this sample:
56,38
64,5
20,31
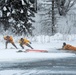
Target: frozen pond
55,62
61,66
44,67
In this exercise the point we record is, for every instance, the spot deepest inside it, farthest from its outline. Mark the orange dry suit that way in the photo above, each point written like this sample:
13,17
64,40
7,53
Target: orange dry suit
24,42
10,39
69,47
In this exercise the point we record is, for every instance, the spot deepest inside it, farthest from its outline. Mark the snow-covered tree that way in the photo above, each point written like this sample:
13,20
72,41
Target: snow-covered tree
17,14
47,13
64,6
49,19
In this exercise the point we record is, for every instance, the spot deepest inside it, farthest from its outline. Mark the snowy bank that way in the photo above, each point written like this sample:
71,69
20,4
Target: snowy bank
12,55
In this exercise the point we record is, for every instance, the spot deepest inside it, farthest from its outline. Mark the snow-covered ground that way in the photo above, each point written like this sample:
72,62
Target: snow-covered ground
10,55
32,63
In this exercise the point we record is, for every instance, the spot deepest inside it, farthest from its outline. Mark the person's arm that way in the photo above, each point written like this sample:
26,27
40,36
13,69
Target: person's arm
5,38
28,41
60,49
63,48
19,41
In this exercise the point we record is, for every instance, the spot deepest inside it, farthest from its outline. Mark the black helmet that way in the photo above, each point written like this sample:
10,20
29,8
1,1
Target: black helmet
21,38
64,44
7,36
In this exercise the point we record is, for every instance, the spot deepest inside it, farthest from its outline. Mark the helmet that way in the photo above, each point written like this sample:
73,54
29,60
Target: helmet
64,43
7,36
21,38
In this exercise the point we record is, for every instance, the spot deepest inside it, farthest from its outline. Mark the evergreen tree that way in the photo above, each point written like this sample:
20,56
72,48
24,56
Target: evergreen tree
17,14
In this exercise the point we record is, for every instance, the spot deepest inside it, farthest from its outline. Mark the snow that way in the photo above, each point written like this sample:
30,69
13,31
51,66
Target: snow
4,8
49,43
11,54
14,56
35,72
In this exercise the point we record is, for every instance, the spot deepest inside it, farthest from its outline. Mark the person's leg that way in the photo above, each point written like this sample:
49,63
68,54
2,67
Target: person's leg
6,44
22,46
14,45
29,46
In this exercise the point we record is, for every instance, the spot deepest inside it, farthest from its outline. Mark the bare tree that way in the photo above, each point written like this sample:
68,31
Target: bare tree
64,6
53,18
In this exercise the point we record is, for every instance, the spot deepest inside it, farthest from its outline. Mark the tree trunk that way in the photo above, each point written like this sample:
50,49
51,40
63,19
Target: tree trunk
53,24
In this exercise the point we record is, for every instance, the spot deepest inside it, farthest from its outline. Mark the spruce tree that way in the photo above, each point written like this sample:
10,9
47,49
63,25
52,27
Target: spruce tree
17,15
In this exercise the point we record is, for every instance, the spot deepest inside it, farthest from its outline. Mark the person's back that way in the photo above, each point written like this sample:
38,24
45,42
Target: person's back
9,39
26,41
69,47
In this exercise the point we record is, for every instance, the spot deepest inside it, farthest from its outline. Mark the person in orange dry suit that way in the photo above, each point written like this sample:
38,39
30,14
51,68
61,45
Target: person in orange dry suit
24,41
9,39
68,47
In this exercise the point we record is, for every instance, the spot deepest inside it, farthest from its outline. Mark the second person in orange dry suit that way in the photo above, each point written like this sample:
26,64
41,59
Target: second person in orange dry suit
24,41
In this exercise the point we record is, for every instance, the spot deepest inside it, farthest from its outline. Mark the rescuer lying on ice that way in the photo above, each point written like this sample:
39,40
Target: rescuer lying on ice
24,41
67,47
9,39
